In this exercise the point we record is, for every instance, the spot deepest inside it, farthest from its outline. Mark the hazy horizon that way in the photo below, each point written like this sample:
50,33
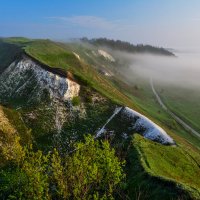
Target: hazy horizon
170,24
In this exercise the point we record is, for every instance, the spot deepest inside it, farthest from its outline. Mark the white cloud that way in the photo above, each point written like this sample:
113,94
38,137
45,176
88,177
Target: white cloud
88,22
94,22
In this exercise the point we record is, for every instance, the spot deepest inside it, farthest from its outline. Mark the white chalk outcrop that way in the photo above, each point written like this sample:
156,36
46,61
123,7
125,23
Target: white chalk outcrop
27,80
146,127
106,55
19,75
137,122
77,56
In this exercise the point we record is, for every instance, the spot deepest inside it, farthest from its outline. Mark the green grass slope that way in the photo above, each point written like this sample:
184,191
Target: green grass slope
13,134
184,102
176,164
55,55
161,161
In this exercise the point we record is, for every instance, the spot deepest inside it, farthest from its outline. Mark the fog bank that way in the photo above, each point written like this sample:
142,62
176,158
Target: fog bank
182,70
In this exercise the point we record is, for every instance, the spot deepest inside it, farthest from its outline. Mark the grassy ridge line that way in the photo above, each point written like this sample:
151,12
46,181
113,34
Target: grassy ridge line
139,93
164,165
51,54
145,106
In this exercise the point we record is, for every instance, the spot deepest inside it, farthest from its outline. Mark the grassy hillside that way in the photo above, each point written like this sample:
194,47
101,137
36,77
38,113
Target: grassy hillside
14,134
140,92
145,99
140,97
55,56
184,102
162,162
172,164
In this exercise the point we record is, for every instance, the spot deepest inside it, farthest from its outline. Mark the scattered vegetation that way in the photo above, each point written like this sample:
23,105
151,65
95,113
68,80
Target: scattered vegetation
76,101
91,171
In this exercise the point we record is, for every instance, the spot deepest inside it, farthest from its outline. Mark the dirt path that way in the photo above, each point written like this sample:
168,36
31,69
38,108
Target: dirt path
178,119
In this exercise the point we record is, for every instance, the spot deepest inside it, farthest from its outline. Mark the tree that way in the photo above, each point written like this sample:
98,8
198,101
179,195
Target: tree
91,171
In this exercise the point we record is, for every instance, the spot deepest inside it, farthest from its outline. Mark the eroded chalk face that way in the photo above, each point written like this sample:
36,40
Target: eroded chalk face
27,72
106,55
133,122
27,83
146,127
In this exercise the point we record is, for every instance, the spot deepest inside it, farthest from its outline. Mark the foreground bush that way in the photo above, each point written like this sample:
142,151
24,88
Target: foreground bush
91,171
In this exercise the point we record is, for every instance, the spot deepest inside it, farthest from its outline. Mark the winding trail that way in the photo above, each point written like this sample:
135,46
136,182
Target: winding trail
178,119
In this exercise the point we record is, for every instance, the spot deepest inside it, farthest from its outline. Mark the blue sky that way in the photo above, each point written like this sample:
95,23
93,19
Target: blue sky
168,23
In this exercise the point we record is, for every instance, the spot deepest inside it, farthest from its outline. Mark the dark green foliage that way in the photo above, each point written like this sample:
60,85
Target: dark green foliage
97,115
28,180
15,118
76,101
91,171
88,99
36,185
8,54
126,46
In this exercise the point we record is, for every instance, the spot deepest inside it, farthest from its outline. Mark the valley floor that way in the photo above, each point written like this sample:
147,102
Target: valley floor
186,126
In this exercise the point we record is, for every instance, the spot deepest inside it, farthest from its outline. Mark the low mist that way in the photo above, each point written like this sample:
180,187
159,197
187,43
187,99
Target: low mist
182,70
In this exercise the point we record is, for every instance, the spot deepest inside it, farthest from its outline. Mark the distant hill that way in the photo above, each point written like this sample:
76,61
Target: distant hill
126,46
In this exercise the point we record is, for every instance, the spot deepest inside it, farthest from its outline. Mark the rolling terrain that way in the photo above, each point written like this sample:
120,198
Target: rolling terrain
52,94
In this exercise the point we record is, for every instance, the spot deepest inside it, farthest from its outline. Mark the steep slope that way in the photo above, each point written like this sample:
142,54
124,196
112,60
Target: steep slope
47,101
61,97
26,84
13,135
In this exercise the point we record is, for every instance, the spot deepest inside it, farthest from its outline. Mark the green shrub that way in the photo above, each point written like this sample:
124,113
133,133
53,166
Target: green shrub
91,171
76,101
